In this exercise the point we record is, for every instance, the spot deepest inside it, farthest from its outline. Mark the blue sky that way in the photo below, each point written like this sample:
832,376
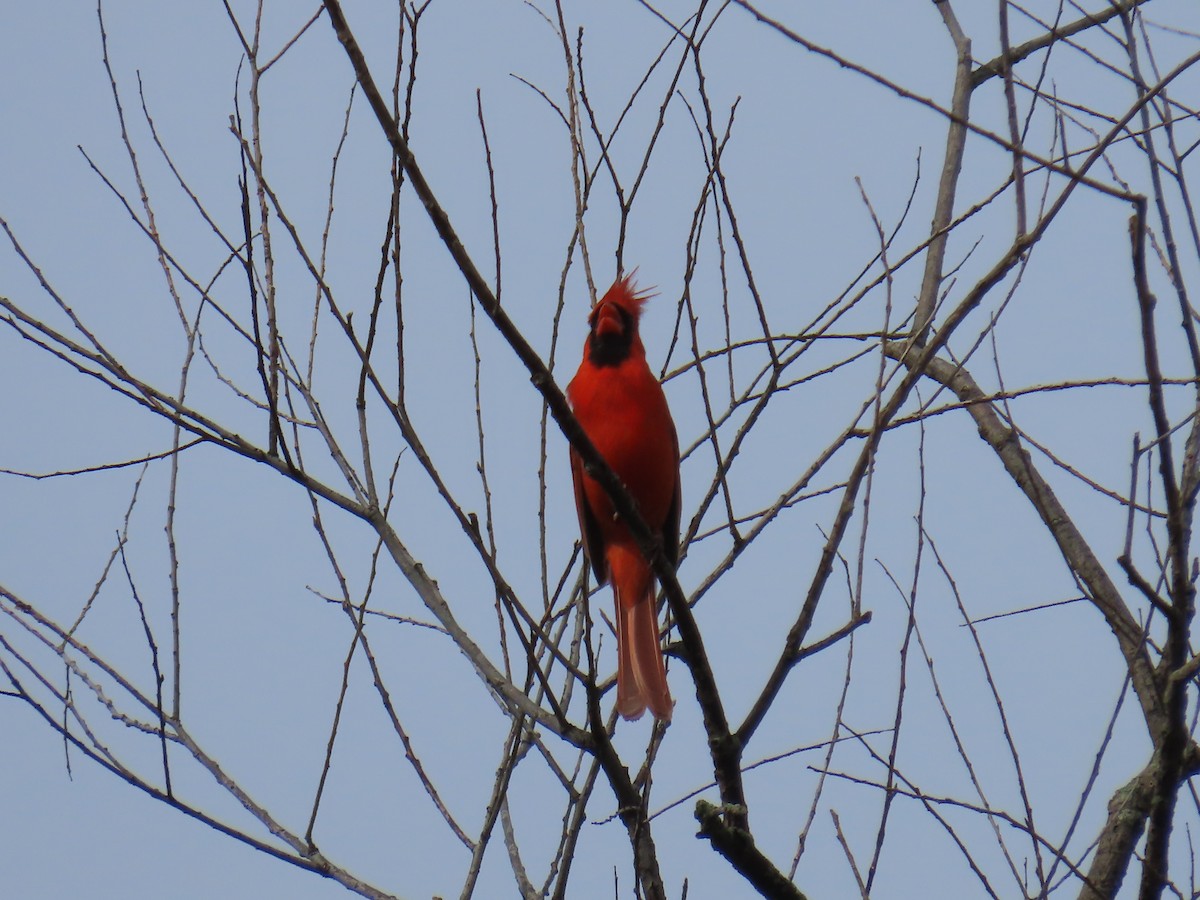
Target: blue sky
263,652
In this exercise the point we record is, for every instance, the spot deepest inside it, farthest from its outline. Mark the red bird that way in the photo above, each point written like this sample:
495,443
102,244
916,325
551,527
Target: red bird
623,410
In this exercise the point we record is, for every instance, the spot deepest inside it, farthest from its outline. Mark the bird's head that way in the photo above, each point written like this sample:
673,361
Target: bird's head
614,323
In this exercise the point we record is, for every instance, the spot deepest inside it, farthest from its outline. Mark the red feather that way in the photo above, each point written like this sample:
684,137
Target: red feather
623,410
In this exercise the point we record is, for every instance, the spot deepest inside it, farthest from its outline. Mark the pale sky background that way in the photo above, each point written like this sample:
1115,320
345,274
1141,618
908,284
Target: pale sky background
263,654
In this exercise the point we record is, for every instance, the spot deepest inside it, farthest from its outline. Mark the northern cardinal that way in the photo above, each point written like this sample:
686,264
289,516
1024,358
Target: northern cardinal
623,410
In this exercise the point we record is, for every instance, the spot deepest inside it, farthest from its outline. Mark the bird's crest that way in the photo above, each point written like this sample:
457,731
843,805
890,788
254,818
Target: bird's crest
625,294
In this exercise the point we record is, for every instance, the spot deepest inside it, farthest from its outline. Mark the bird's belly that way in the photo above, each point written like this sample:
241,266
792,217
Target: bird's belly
642,454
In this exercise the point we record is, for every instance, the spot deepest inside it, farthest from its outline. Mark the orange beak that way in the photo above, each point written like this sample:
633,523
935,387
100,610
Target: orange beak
608,321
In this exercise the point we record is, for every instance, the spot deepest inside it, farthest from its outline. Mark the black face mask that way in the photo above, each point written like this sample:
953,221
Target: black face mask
611,349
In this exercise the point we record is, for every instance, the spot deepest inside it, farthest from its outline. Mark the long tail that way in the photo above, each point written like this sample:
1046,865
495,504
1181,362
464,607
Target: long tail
641,675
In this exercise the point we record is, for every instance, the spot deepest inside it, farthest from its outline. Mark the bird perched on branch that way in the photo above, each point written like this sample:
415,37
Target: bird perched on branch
622,408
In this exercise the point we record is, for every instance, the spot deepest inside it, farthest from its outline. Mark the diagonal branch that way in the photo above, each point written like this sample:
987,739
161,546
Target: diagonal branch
724,756
1014,55
1075,550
